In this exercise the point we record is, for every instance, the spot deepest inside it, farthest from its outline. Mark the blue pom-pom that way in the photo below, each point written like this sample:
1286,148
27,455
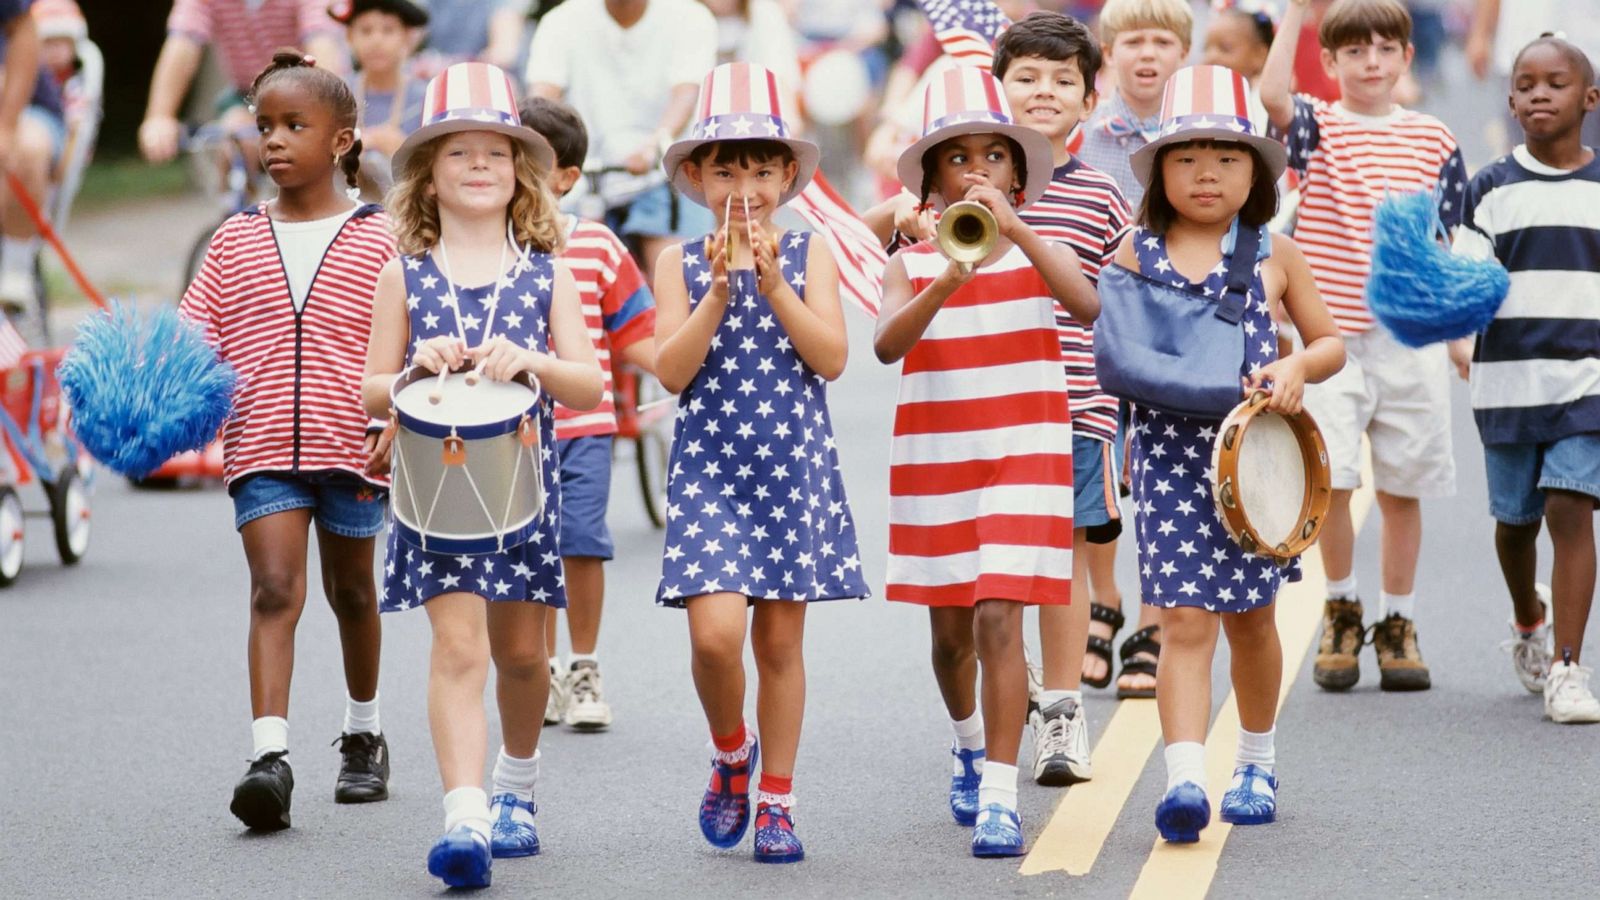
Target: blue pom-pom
144,390
1418,289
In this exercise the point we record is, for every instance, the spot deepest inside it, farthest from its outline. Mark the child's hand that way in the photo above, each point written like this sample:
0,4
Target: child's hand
1285,382
379,449
717,259
1461,356
955,275
498,359
912,219
1005,215
437,354
764,247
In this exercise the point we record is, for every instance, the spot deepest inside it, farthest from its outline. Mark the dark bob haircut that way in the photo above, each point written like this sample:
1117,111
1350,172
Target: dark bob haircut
742,152
930,167
1053,36
1157,213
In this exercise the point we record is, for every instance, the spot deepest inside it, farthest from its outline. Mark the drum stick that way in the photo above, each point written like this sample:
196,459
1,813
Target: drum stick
646,407
437,394
749,233
728,235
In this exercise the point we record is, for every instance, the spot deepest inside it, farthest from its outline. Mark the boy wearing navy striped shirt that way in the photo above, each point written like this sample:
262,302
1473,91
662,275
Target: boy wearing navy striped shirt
1047,64
1535,370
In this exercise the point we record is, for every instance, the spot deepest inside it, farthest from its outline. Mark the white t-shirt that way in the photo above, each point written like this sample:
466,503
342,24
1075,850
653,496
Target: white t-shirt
619,80
302,246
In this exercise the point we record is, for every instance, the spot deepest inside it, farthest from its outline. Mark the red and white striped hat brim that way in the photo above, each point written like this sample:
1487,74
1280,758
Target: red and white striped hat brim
473,96
968,100
739,102
1207,103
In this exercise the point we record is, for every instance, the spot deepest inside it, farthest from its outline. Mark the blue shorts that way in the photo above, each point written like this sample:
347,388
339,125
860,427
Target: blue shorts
651,215
1096,467
342,504
585,493
1520,473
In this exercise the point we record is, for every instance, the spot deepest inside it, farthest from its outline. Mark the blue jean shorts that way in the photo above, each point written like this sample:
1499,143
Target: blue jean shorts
341,503
651,215
585,493
1519,474
1095,470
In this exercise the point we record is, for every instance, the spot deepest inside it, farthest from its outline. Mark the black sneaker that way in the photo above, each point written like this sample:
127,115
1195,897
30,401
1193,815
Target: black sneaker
261,798
364,773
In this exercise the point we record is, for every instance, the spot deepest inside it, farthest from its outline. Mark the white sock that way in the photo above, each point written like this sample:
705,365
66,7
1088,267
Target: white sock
555,666
1257,749
1047,698
467,806
17,254
999,785
270,734
969,731
1186,761
1404,604
1344,589
574,659
361,715
515,776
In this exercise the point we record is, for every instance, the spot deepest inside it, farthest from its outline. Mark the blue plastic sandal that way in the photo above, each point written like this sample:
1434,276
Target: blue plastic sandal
964,787
776,841
1253,799
509,837
461,858
725,809
998,833
1182,813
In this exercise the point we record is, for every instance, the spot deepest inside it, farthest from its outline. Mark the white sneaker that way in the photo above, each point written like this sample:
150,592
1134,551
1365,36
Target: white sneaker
1060,744
1530,654
555,706
17,289
1567,698
587,709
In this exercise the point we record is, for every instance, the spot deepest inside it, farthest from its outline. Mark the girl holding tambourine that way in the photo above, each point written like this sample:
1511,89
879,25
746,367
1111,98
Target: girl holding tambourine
478,286
1209,194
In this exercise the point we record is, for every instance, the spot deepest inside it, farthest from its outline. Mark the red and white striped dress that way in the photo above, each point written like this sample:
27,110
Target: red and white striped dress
980,483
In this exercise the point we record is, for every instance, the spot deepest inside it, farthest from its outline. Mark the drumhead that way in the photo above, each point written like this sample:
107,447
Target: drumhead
1272,479
462,405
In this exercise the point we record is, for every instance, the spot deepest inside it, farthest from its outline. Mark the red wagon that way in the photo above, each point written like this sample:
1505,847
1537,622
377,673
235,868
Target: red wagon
41,449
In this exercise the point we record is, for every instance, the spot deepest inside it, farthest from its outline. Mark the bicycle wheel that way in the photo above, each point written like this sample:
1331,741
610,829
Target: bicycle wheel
653,448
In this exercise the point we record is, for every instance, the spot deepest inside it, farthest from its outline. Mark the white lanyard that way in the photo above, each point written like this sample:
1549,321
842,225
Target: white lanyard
494,297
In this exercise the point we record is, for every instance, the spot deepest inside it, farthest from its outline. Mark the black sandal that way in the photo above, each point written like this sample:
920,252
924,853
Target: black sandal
1100,647
1142,641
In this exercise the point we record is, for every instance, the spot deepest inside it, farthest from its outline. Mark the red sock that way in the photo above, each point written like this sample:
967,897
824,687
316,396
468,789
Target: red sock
730,743
774,784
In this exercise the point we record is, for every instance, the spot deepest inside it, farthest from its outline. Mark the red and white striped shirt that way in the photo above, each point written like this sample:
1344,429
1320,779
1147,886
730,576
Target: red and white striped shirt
1347,164
1084,209
980,483
617,308
246,38
298,404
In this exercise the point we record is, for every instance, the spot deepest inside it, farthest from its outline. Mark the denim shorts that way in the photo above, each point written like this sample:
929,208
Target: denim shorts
651,215
342,503
1096,466
585,493
1519,474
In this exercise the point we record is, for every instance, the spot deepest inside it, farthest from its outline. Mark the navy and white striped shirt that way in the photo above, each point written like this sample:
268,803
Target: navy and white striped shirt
1536,369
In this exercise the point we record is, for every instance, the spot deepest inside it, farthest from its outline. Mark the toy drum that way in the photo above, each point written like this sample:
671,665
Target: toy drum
1272,483
467,473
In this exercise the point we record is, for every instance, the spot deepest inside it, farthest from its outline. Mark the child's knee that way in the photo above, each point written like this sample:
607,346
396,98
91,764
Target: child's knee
1184,627
277,593
351,600
777,650
717,647
1569,513
998,628
524,661
460,653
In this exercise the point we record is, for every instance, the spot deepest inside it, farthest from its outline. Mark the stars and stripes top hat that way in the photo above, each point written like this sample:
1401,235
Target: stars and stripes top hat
739,102
968,100
59,19
473,96
1207,103
414,15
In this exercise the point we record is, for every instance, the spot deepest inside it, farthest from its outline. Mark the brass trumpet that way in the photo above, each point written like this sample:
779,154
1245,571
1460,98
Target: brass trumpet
967,233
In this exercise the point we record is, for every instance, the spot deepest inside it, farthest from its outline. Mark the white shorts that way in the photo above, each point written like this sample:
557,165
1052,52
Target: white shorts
1398,397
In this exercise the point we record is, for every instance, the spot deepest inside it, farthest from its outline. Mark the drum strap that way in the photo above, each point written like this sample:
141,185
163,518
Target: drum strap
494,296
1241,271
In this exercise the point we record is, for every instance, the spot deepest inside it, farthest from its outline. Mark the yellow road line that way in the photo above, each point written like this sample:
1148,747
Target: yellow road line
1176,871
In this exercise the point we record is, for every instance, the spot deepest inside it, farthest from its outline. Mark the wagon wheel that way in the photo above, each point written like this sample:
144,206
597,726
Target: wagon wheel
652,450
69,510
10,535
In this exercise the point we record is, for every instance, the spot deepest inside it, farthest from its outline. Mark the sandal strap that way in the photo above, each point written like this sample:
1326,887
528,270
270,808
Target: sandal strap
1142,641
1100,647
1107,615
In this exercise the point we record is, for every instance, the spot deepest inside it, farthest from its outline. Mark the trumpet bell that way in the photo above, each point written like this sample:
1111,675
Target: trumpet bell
967,232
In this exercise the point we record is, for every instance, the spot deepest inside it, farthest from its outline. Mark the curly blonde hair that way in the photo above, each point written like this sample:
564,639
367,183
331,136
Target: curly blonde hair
414,213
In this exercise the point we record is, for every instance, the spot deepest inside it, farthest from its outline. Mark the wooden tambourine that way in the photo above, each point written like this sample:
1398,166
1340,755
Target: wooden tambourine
1272,483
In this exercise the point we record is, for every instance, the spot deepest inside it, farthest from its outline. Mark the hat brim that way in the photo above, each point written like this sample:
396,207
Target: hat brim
1272,152
806,154
411,14
1036,153
534,142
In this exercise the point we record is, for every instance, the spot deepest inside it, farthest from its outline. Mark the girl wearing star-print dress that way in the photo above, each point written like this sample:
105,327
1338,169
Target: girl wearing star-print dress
1206,184
478,286
749,331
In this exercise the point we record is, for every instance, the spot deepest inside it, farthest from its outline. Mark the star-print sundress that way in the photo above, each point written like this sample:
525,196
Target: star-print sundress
530,571
755,501
1185,555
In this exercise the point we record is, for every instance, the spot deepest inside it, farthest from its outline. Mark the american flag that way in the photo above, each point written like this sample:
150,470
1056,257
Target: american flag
855,248
12,346
967,29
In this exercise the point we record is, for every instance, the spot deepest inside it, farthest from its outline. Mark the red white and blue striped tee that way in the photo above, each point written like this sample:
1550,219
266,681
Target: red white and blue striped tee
1083,208
247,34
298,404
618,310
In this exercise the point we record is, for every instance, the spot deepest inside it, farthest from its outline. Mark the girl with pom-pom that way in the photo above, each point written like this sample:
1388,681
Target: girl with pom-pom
285,295
480,285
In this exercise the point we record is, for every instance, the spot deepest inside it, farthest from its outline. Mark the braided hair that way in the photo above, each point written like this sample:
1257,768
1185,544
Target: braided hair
325,86
930,167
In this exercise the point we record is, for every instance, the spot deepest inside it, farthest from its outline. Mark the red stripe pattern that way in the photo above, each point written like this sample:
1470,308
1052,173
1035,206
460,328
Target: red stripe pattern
246,37
607,278
298,404
856,249
980,488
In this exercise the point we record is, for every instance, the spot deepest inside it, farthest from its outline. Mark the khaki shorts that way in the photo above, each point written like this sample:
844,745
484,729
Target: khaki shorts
1398,397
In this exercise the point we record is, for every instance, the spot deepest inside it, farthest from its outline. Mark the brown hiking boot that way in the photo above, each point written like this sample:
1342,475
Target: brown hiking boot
1400,665
1337,667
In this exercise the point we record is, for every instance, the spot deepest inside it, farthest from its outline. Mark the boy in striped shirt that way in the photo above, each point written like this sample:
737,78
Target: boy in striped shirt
1047,64
1536,368
1348,155
621,316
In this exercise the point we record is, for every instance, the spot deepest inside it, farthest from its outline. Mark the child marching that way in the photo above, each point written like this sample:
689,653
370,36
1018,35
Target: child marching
749,332
1210,192
285,295
980,491
479,286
